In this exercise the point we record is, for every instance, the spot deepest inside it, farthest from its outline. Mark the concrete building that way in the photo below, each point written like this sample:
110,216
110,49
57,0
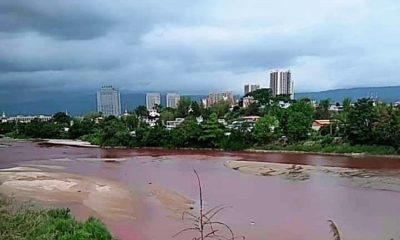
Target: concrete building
214,98
281,83
109,101
27,119
172,100
247,101
248,88
152,99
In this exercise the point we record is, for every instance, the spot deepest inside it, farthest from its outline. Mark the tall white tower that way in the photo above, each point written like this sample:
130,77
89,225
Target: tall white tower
281,83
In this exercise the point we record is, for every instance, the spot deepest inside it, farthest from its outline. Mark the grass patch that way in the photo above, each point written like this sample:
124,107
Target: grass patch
333,148
29,222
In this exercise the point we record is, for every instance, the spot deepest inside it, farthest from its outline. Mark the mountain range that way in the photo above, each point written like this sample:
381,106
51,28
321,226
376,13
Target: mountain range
79,103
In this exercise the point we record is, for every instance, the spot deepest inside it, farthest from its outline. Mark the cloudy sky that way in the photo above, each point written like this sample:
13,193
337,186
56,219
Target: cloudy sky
196,46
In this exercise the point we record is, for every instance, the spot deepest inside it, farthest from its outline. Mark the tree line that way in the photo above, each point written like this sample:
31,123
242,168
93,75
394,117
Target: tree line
362,126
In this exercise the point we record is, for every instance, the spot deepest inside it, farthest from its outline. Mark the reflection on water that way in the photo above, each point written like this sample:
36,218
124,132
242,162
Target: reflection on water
262,207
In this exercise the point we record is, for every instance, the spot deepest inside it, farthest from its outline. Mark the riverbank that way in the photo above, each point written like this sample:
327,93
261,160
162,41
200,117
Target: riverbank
27,221
336,150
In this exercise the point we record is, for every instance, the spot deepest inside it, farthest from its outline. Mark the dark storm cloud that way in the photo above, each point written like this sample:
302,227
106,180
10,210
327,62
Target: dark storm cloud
192,46
60,19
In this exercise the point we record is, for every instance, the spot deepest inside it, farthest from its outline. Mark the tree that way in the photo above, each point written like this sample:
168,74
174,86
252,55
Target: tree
265,129
141,111
252,109
61,118
80,128
387,128
113,132
299,117
186,134
322,110
131,121
183,107
212,133
262,96
167,115
362,120
221,108
195,109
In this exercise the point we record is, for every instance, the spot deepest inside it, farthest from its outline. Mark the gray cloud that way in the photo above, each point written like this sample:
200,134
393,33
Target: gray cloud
195,46
60,19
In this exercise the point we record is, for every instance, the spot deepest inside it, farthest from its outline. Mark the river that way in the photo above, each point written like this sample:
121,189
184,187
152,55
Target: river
160,184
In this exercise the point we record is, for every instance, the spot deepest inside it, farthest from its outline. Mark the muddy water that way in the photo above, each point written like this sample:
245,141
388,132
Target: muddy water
262,207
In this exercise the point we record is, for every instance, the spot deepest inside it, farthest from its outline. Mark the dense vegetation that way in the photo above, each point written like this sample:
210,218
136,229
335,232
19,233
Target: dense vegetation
34,223
363,126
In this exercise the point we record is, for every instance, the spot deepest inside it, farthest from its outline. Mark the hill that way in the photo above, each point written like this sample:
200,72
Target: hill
386,94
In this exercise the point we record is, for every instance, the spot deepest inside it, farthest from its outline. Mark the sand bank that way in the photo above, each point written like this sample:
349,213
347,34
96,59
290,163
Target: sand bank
106,198
382,180
67,142
174,202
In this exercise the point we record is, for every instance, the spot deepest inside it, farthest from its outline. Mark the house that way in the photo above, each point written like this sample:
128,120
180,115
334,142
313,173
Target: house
152,118
169,125
318,124
247,101
251,119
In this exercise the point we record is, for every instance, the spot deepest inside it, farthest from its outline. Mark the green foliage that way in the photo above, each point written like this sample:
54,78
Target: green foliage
319,147
297,121
365,123
186,134
33,223
7,127
141,111
81,127
114,133
167,115
183,107
264,129
38,129
220,109
213,132
262,96
239,139
362,120
196,109
322,110
252,110
61,118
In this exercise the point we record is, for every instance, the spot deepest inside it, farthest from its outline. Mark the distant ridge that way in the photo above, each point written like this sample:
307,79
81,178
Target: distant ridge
386,94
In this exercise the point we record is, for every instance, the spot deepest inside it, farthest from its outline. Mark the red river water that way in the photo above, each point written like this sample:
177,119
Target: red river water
262,207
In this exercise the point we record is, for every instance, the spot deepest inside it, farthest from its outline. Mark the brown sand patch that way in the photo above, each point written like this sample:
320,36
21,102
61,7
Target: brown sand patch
174,202
383,180
106,198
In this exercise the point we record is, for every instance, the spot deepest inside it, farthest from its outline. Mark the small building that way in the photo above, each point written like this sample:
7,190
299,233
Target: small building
318,124
251,119
247,101
153,117
169,125
28,119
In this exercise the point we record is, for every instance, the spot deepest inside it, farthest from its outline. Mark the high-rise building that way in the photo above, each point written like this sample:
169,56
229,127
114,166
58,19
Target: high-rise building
214,98
281,83
109,101
172,100
152,99
248,88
